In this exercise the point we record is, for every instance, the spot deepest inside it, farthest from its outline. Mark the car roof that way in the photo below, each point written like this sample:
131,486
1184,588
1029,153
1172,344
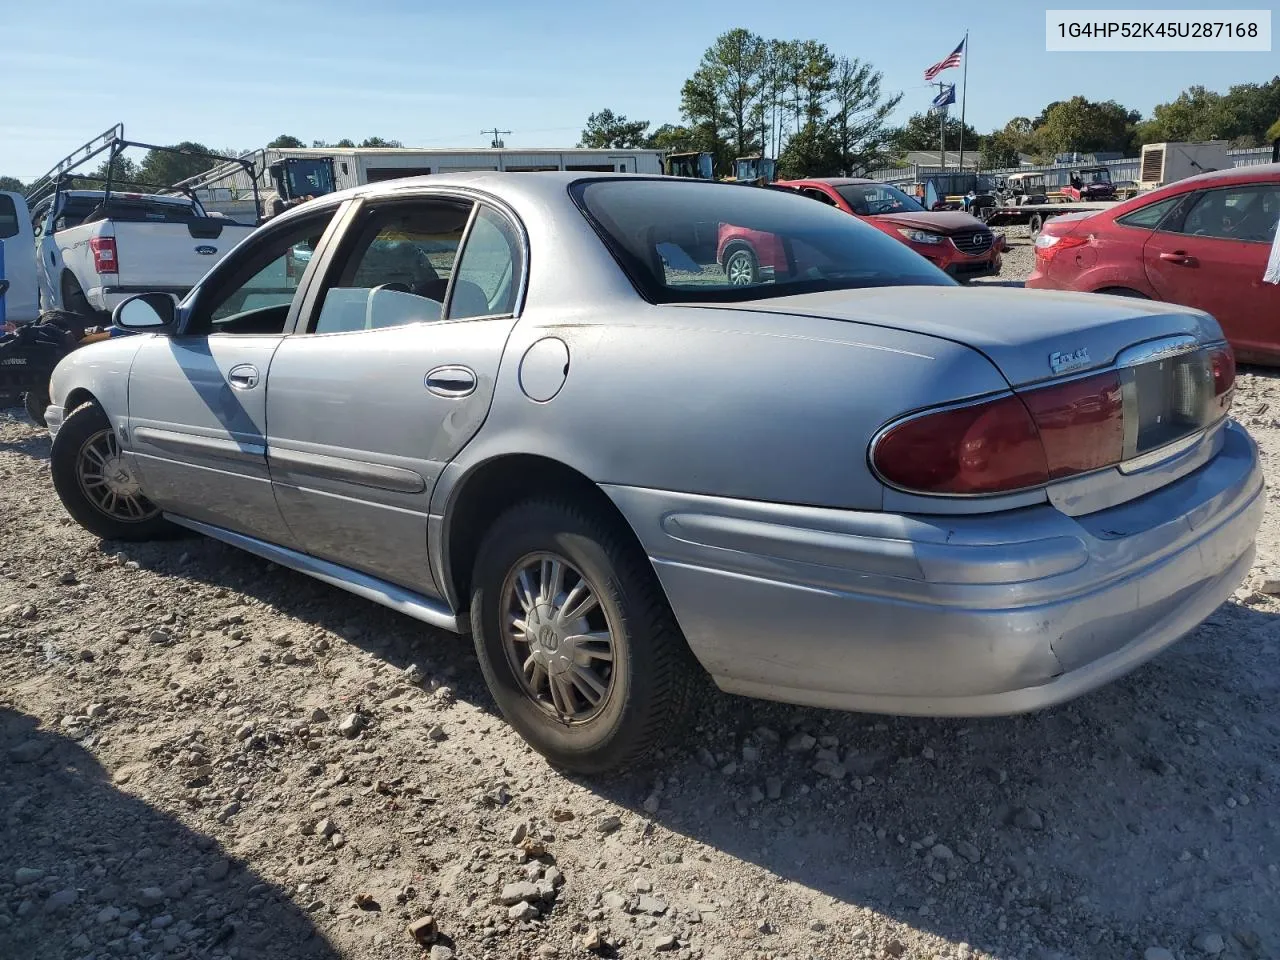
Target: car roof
536,187
830,181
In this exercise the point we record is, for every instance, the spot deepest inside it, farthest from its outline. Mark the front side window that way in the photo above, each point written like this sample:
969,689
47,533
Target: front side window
397,269
1245,213
252,293
682,241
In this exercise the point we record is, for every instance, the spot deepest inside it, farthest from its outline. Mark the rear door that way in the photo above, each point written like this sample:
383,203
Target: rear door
18,303
391,377
1213,255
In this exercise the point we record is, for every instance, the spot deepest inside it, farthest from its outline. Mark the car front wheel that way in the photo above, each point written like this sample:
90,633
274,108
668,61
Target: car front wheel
741,268
575,638
97,485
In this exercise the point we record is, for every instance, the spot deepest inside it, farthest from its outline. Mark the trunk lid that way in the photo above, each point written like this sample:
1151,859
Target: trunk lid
1030,335
167,254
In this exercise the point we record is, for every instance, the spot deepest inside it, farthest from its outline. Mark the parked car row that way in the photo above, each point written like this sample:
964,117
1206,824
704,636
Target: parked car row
1202,242
557,412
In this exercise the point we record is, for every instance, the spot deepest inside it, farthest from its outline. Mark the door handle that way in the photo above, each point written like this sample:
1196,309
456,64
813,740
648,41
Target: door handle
243,376
1179,257
453,381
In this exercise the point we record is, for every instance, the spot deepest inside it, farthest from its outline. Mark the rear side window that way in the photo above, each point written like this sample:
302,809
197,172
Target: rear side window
684,241
488,277
1149,217
8,218
147,211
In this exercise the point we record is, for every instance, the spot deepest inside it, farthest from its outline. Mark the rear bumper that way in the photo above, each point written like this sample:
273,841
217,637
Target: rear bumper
951,616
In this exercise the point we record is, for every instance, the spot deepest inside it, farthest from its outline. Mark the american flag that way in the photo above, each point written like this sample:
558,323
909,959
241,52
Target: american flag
952,61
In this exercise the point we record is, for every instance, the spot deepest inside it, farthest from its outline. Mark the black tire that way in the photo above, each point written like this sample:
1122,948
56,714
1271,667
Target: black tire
1123,292
74,300
742,258
652,673
86,425
1034,225
36,402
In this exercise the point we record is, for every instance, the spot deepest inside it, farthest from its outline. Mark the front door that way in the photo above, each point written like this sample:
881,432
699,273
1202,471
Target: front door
393,374
18,303
1213,256
197,399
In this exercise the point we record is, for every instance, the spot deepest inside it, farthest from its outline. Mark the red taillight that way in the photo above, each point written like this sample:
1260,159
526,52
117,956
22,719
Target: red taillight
104,254
1224,371
1009,443
1049,245
1081,423
982,448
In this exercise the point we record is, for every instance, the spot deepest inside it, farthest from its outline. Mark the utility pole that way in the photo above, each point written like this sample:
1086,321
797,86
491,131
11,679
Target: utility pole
497,136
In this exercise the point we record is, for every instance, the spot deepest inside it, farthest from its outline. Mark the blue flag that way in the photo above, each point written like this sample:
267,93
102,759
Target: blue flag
945,96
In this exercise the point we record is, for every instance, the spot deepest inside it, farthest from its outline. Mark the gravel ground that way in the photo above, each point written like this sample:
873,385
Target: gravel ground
203,755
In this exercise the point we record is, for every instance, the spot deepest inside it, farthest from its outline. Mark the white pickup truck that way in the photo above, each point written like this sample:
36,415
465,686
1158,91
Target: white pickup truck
74,252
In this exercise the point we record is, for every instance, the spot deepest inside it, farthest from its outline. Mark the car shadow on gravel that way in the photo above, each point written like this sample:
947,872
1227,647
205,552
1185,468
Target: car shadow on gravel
87,870
36,446
1148,805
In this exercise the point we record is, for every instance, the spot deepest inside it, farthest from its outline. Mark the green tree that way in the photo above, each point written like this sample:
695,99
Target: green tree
1240,115
124,174
733,68
1273,131
813,152
12,185
285,142
700,106
859,115
1082,125
379,142
920,132
344,142
672,138
608,129
162,168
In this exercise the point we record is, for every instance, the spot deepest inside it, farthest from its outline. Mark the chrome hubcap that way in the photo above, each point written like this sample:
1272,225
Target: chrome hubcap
109,483
558,637
740,269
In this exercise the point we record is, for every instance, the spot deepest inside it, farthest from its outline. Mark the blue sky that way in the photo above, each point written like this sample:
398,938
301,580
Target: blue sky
235,73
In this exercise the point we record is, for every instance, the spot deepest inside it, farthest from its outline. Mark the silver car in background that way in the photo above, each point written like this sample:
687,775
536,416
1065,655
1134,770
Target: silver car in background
534,408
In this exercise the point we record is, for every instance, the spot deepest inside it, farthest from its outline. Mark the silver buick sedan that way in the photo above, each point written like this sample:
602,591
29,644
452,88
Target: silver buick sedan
537,408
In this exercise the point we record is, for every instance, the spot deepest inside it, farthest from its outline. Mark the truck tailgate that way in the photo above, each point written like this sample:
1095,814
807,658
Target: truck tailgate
167,255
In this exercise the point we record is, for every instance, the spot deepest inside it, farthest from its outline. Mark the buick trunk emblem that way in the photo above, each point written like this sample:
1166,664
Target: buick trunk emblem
1062,361
206,250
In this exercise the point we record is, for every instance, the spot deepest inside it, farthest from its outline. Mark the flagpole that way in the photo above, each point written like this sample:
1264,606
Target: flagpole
942,126
964,89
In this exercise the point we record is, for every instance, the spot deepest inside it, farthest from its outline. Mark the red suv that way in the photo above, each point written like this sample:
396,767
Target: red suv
961,245
1202,242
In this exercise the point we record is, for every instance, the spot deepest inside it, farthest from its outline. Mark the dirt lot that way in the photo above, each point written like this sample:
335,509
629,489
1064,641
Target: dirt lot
202,755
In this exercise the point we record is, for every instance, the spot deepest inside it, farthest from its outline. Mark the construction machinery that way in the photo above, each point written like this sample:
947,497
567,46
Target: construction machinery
692,166
758,170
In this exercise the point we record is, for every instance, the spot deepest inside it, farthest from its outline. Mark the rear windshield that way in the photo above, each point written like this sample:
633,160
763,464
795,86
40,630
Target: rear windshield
129,210
683,241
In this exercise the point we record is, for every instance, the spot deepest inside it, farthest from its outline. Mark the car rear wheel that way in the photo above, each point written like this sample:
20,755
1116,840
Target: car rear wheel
575,638
36,403
1034,225
73,298
97,485
742,268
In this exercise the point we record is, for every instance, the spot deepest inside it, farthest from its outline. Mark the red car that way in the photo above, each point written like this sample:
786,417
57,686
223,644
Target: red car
960,244
1202,242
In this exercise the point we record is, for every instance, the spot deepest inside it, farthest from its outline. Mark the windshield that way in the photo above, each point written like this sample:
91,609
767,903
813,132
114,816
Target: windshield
1097,176
683,241
873,199
309,178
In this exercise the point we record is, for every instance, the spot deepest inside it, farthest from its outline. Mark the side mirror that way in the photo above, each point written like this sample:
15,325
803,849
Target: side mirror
146,312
